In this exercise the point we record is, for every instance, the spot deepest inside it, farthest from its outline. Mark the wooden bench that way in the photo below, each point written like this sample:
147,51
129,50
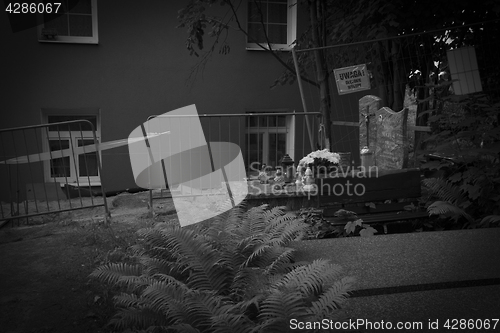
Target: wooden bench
376,197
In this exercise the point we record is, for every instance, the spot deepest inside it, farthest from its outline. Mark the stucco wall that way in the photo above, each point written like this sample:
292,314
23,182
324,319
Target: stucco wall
140,67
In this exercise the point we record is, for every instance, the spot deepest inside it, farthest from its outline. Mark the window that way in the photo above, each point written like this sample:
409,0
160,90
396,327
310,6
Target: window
77,168
269,138
276,18
75,22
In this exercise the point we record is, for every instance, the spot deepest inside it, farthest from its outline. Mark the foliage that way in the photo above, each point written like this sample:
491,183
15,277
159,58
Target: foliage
490,220
235,274
319,227
354,225
466,137
392,65
344,224
212,21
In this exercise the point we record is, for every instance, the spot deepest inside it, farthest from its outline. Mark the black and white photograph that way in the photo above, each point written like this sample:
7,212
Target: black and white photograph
249,166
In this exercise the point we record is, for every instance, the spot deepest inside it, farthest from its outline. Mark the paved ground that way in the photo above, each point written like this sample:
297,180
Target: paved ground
44,284
419,277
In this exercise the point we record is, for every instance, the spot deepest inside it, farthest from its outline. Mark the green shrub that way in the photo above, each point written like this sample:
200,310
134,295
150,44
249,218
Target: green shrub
234,275
467,133
344,224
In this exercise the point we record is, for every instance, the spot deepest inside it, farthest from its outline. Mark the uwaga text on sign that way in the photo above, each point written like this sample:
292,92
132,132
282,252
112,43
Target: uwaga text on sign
352,79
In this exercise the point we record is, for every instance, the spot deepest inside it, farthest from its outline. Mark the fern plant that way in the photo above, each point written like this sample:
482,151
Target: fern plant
467,134
235,275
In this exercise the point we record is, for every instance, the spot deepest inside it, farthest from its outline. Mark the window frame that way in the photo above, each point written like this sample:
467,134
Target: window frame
73,139
72,39
288,129
291,31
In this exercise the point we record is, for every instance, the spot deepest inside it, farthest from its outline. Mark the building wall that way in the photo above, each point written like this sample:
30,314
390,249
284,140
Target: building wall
139,68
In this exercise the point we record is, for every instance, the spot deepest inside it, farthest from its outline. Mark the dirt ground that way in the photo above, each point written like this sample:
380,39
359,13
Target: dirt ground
44,284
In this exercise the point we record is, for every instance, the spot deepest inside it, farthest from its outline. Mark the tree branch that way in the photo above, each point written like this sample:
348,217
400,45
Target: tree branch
218,26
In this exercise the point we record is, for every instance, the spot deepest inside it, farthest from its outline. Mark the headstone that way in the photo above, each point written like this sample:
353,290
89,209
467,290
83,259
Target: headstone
368,105
391,143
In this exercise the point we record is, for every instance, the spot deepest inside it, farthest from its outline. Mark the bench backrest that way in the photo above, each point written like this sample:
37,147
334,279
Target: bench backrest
369,187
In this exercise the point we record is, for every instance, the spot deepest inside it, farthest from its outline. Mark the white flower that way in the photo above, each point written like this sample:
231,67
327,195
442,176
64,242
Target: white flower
325,154
306,160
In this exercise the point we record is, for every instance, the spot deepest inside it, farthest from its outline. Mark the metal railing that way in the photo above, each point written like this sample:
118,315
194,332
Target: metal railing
254,133
49,168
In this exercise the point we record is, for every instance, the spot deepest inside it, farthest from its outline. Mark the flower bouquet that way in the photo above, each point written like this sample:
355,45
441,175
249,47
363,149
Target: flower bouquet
320,161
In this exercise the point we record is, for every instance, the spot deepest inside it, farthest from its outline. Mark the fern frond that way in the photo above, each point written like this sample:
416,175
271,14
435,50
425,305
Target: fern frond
205,307
490,219
291,230
274,212
169,300
170,280
194,255
128,301
267,256
114,273
278,222
181,328
223,277
156,265
248,282
309,279
444,190
332,299
258,252
280,263
232,218
282,304
253,222
278,308
232,323
137,318
447,208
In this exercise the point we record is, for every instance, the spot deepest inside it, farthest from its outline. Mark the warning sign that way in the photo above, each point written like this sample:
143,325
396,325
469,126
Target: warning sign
352,79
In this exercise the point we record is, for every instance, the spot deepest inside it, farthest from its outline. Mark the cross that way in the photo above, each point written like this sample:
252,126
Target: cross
367,116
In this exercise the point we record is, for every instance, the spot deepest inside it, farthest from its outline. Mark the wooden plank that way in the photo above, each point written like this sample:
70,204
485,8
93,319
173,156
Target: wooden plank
389,194
363,209
381,218
419,128
389,217
345,123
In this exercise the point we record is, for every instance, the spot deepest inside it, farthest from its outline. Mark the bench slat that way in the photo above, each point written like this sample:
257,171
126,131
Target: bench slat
381,218
360,210
343,193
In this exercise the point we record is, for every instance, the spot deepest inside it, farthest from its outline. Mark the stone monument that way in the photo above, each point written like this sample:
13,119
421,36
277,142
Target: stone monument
384,132
368,105
391,147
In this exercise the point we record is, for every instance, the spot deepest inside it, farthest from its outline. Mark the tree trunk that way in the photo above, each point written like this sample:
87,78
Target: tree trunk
321,70
381,71
399,84
422,94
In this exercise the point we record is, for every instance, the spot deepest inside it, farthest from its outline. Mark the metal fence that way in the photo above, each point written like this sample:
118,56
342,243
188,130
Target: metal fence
405,71
264,138
49,168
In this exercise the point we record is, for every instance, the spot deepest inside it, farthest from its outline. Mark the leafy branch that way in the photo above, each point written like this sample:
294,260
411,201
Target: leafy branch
194,18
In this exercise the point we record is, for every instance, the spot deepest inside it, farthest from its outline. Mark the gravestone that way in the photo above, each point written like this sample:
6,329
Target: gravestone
391,145
368,105
384,132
